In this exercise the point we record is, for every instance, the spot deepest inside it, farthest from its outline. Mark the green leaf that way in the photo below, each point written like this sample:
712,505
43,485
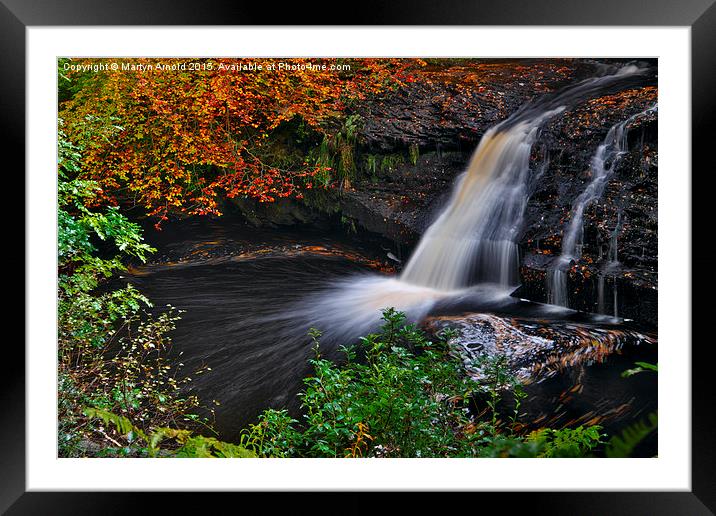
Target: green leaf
620,446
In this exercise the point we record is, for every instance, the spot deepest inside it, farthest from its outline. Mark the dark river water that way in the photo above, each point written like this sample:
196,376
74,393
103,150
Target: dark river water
245,293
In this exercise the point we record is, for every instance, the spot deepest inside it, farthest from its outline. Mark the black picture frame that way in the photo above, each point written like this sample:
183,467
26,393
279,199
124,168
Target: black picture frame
700,15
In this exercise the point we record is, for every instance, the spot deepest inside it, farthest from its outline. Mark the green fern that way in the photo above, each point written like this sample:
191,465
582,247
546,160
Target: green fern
620,446
191,446
209,447
567,442
414,153
124,426
370,164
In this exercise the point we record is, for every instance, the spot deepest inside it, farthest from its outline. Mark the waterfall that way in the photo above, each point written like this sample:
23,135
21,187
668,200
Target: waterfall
557,286
471,249
603,164
474,238
613,246
616,299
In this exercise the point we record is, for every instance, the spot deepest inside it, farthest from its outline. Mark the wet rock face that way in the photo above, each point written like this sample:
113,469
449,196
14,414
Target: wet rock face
617,272
402,202
533,349
450,109
420,137
453,114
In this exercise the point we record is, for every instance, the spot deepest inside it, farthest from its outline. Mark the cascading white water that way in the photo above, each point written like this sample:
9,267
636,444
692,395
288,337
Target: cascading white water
613,246
474,239
603,163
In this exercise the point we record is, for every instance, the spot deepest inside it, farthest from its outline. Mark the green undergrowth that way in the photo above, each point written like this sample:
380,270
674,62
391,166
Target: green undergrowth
402,393
113,347
398,393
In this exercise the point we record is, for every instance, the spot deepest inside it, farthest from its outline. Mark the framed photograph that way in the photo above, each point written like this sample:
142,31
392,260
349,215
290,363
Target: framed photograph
376,257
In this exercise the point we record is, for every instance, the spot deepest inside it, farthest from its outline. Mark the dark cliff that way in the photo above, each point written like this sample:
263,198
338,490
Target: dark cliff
413,142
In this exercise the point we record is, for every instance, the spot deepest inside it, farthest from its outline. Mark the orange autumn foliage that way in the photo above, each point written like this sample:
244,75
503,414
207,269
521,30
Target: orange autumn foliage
176,140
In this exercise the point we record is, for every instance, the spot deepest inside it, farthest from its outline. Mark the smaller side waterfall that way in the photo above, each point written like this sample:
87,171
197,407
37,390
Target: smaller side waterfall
557,285
613,246
603,164
611,265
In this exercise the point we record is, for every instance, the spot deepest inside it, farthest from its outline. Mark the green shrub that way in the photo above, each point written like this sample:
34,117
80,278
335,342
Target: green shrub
111,352
401,394
398,394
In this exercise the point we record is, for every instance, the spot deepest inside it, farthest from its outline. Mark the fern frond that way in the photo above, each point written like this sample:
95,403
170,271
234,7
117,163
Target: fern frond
621,446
